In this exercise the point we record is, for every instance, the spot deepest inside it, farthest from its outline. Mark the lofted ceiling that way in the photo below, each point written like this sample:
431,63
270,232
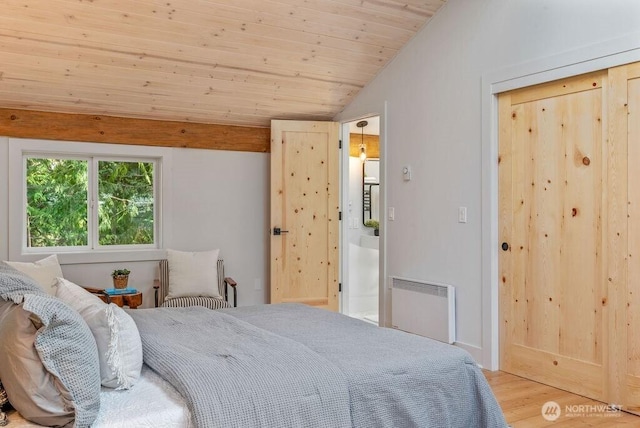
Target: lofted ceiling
234,62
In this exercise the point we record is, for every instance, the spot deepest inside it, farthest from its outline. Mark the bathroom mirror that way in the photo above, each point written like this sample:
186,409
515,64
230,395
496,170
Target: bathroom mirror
370,190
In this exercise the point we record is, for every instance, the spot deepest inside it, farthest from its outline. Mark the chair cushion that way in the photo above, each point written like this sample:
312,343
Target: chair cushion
44,272
207,302
193,274
116,334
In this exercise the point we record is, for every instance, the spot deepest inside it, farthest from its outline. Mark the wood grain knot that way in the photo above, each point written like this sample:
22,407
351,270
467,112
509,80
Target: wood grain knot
13,117
604,301
586,161
555,363
574,212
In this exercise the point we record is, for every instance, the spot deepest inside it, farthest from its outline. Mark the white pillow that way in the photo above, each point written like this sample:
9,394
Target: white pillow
193,274
116,334
44,272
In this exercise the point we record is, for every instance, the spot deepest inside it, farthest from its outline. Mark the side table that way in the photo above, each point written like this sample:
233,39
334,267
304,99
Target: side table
131,300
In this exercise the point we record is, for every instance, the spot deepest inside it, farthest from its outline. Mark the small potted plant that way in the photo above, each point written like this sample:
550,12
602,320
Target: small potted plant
375,224
120,278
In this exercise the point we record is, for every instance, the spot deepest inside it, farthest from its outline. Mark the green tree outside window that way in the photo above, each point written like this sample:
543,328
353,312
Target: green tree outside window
125,194
58,195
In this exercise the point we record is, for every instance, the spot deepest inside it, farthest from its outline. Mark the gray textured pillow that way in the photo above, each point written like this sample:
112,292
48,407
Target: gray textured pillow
55,374
115,332
15,284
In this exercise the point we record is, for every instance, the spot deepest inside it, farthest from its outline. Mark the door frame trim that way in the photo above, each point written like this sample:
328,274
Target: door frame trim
586,59
384,299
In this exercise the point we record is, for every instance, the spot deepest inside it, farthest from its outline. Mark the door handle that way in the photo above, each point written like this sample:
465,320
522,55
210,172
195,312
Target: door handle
278,231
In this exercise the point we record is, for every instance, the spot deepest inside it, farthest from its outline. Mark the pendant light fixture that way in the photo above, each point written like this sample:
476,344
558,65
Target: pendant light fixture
363,147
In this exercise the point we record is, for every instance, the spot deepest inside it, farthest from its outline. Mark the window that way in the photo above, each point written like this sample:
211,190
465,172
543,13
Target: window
89,202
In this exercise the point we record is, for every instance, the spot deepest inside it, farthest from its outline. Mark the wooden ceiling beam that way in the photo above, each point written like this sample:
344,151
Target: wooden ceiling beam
120,130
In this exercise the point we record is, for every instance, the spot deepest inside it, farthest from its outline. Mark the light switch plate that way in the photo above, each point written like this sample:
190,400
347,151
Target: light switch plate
462,214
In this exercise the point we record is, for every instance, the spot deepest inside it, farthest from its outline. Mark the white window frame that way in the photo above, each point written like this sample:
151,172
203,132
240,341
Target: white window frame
19,149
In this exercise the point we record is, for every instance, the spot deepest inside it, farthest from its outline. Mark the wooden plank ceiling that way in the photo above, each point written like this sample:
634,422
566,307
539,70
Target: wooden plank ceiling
240,62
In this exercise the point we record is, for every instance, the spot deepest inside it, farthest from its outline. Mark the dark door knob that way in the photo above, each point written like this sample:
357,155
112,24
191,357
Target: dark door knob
505,246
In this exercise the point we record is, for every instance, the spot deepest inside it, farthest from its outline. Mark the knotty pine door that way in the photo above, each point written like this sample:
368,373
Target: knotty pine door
305,179
569,230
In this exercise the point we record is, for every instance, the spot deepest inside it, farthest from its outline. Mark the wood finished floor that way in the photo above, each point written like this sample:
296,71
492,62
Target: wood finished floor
522,399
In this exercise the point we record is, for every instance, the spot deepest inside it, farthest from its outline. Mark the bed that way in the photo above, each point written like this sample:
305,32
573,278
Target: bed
289,365
152,403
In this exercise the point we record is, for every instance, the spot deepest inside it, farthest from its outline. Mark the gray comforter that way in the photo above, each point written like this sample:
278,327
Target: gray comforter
296,366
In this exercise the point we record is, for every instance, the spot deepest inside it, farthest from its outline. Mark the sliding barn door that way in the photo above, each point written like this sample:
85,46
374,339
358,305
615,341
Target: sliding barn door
553,230
304,213
569,201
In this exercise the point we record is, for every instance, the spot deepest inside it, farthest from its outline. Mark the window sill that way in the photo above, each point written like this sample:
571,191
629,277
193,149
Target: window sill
98,256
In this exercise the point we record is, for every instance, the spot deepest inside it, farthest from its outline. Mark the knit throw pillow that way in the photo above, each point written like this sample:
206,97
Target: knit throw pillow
4,405
4,401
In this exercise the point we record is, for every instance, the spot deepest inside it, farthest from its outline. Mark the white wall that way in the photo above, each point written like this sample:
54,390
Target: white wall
434,123
355,201
219,199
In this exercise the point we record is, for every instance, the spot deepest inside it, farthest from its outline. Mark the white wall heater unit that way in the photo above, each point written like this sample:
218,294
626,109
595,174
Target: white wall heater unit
424,308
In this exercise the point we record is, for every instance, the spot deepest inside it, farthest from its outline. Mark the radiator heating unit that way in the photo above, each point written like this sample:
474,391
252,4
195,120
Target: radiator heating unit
424,308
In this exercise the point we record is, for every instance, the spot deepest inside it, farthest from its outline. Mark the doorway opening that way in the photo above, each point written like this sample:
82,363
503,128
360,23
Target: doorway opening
361,249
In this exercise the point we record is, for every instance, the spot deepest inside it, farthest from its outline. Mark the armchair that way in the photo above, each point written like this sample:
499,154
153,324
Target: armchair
161,287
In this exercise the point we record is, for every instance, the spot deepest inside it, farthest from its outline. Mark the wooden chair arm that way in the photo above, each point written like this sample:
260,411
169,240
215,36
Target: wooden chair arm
230,281
156,288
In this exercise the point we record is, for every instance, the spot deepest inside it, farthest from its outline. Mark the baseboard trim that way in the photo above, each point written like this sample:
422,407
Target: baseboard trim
475,351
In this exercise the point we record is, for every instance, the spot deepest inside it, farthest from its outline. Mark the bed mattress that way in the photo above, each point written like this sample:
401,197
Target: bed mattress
152,402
